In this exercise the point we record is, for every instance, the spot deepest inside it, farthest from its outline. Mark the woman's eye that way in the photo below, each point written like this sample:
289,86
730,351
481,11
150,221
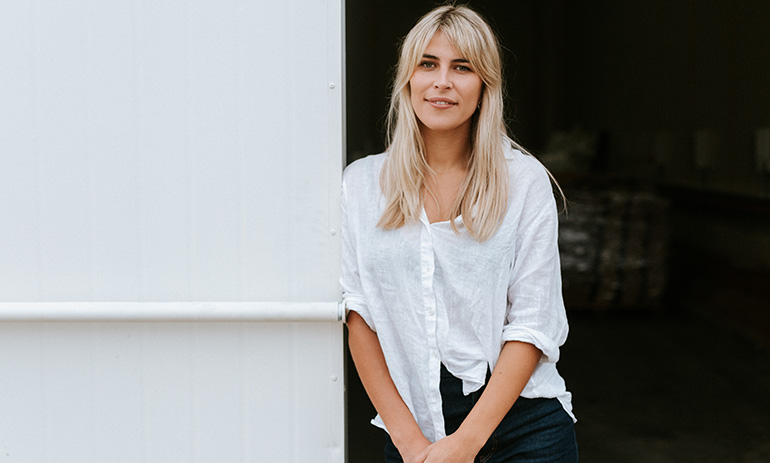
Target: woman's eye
427,65
463,68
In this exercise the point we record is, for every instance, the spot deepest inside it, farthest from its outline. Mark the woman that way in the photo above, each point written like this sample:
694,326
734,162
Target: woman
451,267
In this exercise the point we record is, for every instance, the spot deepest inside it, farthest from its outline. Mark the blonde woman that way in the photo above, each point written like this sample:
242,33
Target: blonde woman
450,265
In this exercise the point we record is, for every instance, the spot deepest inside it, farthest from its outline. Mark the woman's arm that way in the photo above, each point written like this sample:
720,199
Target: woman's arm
514,368
373,371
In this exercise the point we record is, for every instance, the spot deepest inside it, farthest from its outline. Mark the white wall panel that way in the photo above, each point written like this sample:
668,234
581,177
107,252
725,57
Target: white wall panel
171,392
168,170
170,150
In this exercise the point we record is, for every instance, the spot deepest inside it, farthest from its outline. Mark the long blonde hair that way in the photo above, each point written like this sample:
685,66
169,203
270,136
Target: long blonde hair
483,197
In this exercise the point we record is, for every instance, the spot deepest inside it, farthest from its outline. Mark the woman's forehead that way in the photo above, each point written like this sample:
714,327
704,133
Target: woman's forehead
441,43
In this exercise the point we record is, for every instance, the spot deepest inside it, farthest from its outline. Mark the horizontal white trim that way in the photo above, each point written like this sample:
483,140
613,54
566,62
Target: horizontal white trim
171,311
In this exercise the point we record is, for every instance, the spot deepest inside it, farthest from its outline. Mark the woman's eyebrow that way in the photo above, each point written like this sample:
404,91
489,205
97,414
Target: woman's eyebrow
457,60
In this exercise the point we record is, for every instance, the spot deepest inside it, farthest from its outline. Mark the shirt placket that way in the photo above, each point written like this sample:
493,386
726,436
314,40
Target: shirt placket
427,263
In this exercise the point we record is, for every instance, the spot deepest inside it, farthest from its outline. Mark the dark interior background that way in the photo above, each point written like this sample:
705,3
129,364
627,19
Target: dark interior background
660,97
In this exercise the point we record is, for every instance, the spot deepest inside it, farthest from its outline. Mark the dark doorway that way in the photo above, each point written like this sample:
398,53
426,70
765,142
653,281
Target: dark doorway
651,116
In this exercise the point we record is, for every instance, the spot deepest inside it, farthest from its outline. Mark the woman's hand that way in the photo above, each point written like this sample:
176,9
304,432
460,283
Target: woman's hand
451,449
415,450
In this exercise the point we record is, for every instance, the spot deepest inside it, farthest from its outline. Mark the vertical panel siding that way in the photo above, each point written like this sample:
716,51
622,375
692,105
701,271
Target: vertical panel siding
171,392
169,150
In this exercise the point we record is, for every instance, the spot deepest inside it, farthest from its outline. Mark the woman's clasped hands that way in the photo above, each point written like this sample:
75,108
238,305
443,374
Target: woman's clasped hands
451,449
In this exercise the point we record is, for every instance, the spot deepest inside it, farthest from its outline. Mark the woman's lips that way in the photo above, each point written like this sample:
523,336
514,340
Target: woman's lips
441,103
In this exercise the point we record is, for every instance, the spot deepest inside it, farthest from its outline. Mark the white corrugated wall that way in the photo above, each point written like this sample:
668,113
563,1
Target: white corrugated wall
170,152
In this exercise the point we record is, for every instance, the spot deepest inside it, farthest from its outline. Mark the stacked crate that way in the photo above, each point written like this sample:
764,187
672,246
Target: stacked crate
614,246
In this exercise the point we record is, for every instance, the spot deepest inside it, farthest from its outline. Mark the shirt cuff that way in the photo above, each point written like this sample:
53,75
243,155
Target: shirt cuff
358,305
547,346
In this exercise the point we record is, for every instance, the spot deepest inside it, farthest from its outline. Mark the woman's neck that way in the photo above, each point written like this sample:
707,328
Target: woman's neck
446,151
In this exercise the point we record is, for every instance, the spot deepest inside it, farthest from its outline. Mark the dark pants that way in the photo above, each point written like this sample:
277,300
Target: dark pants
533,430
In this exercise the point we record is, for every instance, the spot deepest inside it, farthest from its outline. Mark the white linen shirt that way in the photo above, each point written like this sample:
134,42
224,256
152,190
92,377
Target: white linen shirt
433,296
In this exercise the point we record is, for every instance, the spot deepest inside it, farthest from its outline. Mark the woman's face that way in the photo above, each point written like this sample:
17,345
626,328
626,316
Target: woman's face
445,90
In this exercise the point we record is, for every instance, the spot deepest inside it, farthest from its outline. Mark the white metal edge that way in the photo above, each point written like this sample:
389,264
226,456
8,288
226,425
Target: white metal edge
171,311
336,127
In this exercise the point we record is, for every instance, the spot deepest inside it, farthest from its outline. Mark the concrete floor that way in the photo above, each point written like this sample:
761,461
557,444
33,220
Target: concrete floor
652,387
658,388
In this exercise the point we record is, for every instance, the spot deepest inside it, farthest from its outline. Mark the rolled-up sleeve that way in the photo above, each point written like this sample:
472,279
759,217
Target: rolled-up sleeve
350,278
536,313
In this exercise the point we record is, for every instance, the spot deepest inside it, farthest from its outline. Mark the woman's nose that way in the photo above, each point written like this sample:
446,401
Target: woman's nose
442,80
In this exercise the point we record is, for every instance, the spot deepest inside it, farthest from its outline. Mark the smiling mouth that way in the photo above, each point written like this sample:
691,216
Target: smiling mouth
441,103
